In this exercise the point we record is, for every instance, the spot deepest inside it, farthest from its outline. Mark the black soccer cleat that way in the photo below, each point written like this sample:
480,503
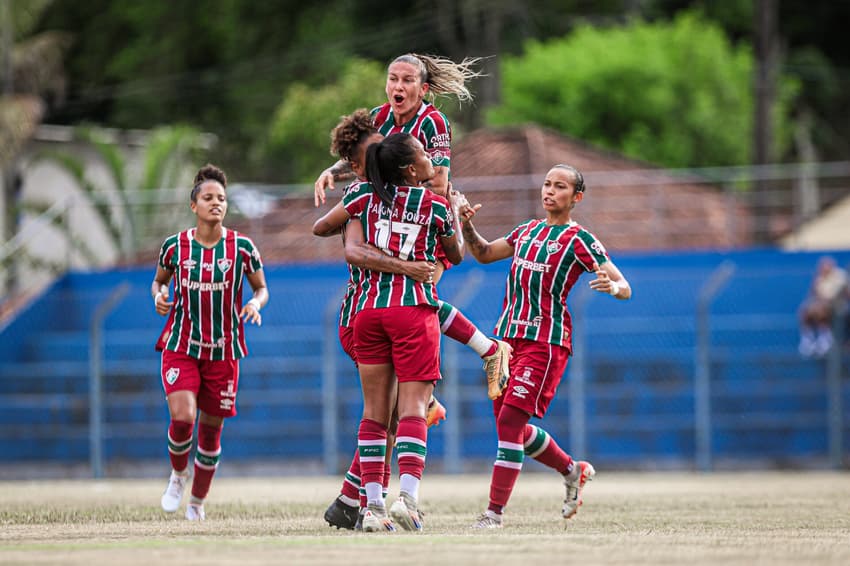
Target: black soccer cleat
340,515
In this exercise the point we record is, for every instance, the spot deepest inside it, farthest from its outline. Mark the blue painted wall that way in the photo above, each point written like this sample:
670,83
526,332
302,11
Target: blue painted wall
769,404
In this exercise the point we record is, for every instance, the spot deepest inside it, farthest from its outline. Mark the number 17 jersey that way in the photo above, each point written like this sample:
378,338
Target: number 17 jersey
408,230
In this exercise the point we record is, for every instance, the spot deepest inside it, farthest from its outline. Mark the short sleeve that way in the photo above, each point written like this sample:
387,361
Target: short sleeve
253,261
355,200
437,139
166,254
512,236
589,250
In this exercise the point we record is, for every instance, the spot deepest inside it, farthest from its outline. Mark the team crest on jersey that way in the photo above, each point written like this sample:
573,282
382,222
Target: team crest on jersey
171,375
437,156
189,264
224,264
553,246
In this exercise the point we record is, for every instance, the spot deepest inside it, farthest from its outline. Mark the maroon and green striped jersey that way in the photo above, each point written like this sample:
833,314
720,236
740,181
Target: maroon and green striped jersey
429,126
353,288
547,262
204,322
409,230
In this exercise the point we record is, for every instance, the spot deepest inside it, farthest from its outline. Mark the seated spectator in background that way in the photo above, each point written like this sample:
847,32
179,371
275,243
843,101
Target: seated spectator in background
829,288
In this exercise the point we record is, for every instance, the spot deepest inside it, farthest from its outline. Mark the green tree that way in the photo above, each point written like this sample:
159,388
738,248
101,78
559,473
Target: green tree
31,68
299,133
675,93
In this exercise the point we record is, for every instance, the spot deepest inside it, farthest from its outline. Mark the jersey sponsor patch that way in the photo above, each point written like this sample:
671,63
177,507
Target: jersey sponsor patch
189,264
441,140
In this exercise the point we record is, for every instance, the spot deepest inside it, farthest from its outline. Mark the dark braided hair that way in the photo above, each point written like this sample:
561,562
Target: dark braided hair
385,162
578,178
208,172
350,133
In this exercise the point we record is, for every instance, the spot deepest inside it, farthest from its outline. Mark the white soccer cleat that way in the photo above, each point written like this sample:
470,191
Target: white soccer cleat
405,512
488,520
195,512
574,488
375,520
174,492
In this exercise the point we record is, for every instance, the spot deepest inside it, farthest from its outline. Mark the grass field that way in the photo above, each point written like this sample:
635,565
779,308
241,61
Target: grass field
799,518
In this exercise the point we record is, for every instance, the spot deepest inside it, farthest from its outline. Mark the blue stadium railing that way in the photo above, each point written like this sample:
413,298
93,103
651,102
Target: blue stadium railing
630,397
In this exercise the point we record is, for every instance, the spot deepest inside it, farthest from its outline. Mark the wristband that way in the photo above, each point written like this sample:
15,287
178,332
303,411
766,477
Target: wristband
255,303
156,299
615,289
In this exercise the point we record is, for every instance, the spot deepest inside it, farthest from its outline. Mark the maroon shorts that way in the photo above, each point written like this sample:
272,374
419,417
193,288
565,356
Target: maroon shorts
536,370
346,338
214,383
406,337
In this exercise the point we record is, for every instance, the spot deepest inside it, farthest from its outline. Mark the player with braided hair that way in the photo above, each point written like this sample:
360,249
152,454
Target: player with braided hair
411,79
549,255
204,338
349,140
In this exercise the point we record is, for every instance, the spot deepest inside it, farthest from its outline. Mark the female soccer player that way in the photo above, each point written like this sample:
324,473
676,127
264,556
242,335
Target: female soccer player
396,330
203,340
548,256
411,78
349,140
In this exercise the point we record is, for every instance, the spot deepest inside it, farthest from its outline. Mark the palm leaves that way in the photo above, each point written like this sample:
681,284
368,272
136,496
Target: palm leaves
132,209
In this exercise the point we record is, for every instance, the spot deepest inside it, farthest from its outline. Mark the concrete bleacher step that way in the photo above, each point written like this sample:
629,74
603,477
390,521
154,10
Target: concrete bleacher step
75,346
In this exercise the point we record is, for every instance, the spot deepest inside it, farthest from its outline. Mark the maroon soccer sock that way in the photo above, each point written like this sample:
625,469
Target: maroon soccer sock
350,492
206,459
412,446
540,445
372,445
388,472
179,444
454,324
506,469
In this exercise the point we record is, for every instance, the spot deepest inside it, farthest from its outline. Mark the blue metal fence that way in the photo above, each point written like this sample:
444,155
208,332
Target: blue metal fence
699,370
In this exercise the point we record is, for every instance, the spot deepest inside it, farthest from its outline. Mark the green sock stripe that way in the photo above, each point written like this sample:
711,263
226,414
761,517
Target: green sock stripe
537,441
372,451
180,448
414,448
444,311
351,478
207,460
509,455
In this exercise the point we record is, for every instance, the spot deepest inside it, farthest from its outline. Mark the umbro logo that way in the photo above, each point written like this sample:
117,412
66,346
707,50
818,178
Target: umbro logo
520,391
